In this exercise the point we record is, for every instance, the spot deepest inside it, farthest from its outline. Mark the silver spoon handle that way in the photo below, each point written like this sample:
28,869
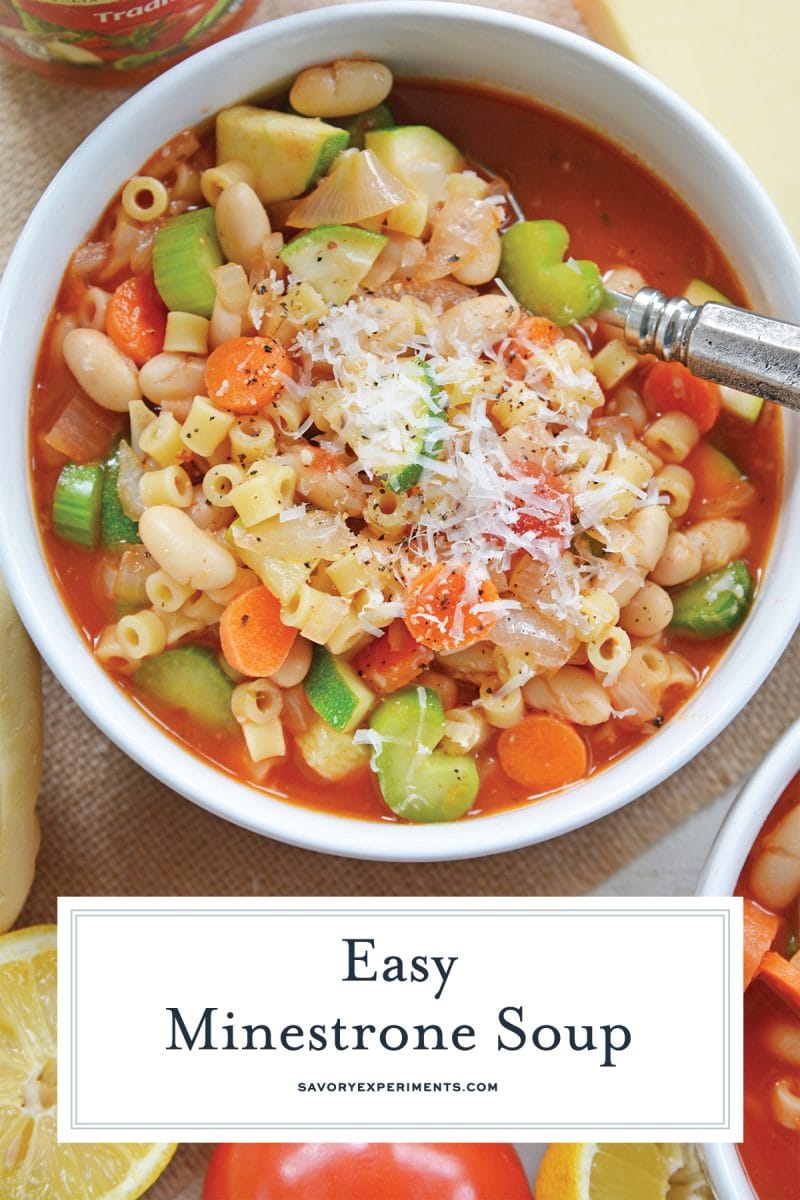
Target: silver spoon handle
728,345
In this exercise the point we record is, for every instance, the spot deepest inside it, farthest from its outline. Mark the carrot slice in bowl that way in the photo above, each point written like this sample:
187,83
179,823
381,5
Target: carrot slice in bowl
254,639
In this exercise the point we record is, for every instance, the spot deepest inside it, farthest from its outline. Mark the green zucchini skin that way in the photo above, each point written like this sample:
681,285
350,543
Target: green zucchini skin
715,603
190,677
335,692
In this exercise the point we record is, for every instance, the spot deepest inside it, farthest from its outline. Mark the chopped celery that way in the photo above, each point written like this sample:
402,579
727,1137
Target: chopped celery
715,603
185,252
532,267
77,503
418,781
116,526
190,677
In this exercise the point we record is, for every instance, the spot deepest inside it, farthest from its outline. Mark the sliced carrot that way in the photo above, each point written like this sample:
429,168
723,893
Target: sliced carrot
438,616
760,930
531,333
392,661
542,753
782,977
669,387
136,318
254,640
245,373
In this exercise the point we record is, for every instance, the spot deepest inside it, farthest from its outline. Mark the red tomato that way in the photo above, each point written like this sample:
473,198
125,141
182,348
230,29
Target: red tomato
365,1171
553,520
669,387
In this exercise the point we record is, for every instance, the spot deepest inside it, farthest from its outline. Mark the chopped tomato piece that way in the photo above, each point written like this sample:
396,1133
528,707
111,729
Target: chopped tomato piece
392,661
532,333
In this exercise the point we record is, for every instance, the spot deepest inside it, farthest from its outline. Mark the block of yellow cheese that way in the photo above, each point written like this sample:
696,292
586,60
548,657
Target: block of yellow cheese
736,61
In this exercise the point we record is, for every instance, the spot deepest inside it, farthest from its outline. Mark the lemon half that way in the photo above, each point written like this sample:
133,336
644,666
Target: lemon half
33,1166
610,1171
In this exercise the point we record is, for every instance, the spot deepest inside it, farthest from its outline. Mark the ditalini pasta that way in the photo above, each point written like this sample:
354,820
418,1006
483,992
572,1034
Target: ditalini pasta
344,480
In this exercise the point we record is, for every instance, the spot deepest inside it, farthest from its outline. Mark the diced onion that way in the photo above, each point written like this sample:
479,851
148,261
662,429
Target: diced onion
130,473
83,430
135,565
359,186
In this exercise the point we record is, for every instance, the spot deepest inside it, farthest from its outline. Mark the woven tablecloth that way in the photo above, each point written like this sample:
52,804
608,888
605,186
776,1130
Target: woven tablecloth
110,829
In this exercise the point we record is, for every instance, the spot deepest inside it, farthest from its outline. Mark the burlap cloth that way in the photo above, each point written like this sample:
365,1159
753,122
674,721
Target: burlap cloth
108,828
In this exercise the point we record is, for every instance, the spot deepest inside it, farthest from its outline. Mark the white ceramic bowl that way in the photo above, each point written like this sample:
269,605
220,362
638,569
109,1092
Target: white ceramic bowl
566,72
723,867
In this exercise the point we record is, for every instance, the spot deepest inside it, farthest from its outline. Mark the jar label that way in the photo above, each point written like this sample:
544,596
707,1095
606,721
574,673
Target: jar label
122,34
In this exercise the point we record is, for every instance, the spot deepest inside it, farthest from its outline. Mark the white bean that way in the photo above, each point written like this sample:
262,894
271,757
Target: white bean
341,89
242,225
679,562
106,375
190,555
477,323
718,541
173,377
648,612
481,266
294,667
775,875
650,527
782,1039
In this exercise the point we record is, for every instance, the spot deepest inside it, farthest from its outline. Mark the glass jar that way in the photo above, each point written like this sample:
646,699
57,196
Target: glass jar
113,43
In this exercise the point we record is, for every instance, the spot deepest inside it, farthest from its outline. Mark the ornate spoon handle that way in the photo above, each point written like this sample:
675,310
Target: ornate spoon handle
728,345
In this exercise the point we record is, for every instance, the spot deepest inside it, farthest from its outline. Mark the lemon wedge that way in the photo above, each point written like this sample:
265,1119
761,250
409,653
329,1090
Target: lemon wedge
33,1166
607,1171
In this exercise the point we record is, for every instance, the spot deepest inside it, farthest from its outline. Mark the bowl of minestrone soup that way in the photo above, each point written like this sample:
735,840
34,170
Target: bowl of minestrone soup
327,495
757,856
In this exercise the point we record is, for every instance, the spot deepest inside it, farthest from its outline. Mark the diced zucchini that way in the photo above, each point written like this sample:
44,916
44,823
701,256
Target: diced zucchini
288,153
715,603
331,753
190,677
335,692
117,528
422,159
363,123
741,404
77,503
421,436
185,252
418,781
700,292
333,259
532,266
